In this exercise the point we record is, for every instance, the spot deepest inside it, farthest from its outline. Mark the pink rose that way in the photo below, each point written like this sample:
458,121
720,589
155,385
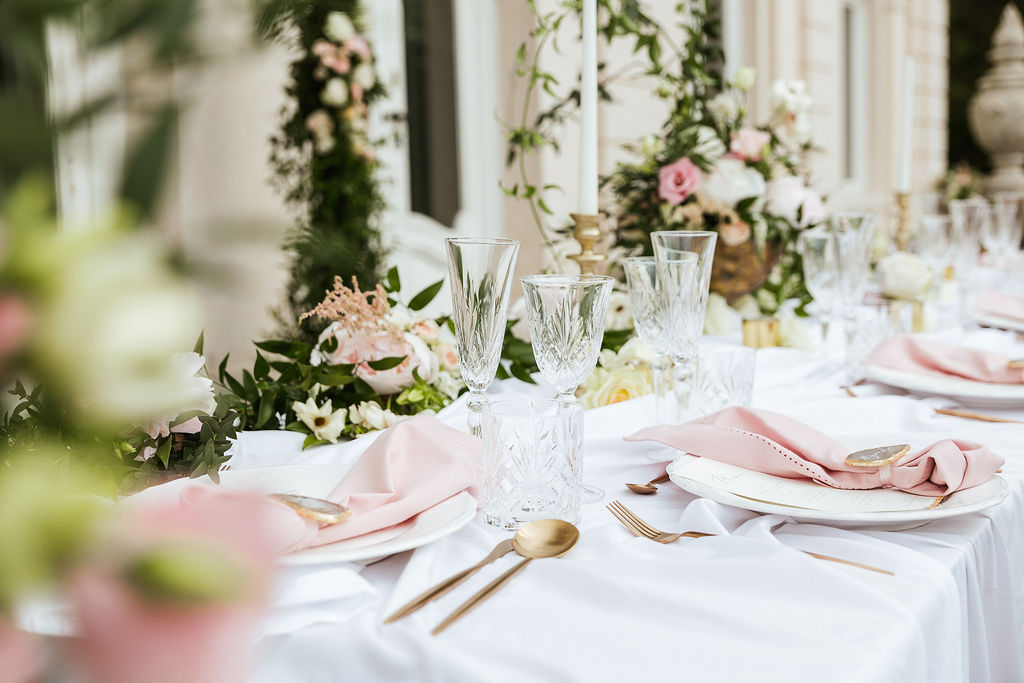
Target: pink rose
678,181
360,348
747,143
732,234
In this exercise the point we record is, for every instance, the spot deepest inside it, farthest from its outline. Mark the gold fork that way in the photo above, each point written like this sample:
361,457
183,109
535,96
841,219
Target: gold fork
641,528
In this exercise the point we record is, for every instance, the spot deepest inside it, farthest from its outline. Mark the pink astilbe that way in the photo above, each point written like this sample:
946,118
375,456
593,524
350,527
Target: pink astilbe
355,310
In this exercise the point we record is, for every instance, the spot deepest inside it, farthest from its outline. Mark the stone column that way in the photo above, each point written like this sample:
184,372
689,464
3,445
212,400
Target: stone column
997,109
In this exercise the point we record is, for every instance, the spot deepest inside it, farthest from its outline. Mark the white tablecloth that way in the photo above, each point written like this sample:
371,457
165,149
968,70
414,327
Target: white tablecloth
741,606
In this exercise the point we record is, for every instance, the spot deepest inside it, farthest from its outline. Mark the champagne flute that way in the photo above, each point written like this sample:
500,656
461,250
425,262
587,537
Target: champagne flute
480,275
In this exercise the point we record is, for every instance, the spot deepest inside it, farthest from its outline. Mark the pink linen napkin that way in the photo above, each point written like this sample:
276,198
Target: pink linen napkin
926,357
412,466
778,445
1001,304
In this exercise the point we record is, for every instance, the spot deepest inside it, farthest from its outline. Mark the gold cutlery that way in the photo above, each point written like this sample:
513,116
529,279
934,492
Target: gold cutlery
974,416
451,582
539,539
649,487
638,527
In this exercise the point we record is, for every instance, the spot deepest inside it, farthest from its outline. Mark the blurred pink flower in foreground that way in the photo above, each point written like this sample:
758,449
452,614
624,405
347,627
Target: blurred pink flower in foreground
179,587
15,323
21,656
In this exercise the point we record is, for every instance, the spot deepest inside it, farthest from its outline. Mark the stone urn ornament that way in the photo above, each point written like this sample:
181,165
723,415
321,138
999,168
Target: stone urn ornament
997,108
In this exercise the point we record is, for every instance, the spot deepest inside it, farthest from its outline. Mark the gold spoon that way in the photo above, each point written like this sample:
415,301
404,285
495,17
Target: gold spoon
537,540
649,487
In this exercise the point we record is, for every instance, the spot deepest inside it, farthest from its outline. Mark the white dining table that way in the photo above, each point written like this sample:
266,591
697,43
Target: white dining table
742,605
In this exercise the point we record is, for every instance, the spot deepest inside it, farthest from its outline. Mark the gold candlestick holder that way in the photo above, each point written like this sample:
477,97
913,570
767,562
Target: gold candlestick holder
903,226
587,232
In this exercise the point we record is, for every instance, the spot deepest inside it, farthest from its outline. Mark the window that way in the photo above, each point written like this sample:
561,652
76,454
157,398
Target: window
432,109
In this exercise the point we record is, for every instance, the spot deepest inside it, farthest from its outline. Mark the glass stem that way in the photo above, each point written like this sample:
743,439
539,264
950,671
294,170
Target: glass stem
475,402
684,372
665,406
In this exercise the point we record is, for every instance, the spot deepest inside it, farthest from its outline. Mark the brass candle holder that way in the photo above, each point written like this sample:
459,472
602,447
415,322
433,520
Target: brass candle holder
587,232
903,226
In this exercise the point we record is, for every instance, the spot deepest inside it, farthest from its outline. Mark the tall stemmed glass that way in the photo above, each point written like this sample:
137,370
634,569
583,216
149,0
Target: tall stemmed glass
687,292
968,217
480,276
567,314
817,249
650,317
1002,234
854,235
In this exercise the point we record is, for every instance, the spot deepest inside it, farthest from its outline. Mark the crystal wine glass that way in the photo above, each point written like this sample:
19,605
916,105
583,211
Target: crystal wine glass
817,249
480,275
1003,234
967,216
650,318
567,314
686,285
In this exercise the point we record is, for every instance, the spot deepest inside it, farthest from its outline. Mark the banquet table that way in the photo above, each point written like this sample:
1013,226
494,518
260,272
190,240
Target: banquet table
741,605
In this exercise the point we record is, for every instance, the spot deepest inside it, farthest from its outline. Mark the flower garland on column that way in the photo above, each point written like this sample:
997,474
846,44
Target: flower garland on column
323,159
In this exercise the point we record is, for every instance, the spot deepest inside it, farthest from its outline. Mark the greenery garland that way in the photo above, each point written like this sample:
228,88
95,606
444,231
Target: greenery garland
323,162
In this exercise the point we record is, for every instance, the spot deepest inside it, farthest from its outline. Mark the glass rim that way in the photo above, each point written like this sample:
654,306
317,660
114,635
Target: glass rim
688,233
482,240
566,278
523,406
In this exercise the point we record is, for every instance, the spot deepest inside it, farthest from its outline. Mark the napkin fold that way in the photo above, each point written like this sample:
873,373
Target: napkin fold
927,357
781,446
997,303
412,466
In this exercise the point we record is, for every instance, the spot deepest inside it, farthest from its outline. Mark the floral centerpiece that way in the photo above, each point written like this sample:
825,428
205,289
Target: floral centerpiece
712,169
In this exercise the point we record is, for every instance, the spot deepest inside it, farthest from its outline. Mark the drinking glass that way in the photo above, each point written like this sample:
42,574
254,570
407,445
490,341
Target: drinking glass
480,277
817,249
567,314
1002,234
650,318
854,239
685,284
532,461
725,377
968,217
934,242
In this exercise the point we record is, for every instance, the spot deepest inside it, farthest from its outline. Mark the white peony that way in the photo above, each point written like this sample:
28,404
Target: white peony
785,197
731,180
335,93
339,27
720,318
325,422
904,276
745,78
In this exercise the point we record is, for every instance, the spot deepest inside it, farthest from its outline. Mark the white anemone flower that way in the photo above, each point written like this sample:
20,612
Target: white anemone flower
325,422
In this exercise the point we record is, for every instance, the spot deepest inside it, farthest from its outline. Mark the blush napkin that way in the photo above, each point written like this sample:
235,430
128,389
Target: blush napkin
1004,305
927,357
767,442
412,466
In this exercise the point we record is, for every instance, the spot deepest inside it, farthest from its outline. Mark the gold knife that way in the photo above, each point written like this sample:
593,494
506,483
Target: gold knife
448,584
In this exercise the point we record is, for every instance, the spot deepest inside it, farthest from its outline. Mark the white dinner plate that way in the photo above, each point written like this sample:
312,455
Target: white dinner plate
318,481
997,321
960,503
964,391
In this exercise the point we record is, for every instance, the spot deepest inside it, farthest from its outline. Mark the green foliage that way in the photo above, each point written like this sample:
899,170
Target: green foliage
335,192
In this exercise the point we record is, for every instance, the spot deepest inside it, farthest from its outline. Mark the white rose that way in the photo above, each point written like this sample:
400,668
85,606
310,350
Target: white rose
724,108
339,27
635,351
731,180
796,333
720,318
787,196
747,307
365,76
745,77
335,93
709,145
904,276
620,385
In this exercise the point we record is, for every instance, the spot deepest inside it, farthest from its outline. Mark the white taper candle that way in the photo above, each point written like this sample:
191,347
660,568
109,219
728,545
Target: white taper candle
588,111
